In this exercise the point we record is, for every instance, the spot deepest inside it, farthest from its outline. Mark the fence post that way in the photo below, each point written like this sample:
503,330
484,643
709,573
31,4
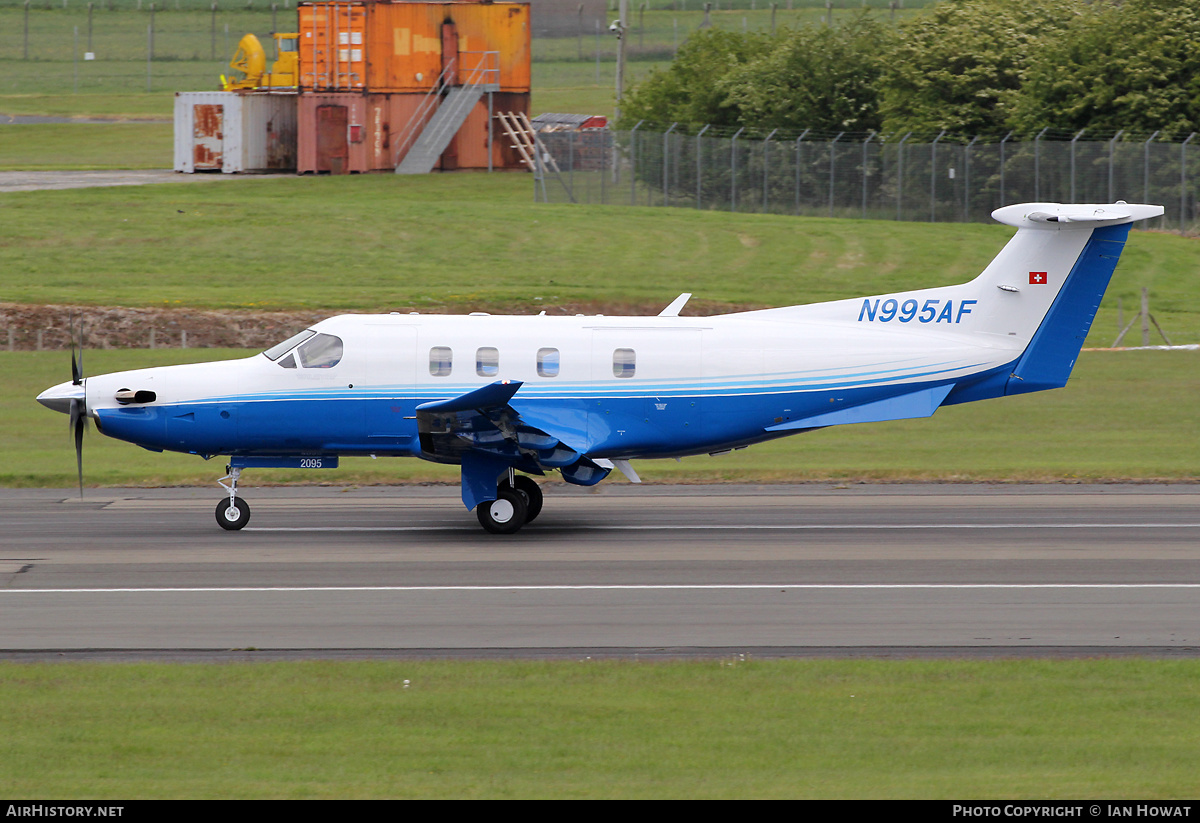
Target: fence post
933,177
900,174
1146,168
1074,199
699,167
1111,143
1003,201
633,163
1037,165
766,166
870,137
799,140
733,170
666,156
1183,182
833,167
967,180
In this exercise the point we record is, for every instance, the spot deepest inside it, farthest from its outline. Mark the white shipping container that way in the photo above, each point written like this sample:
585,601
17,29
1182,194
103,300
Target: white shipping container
233,132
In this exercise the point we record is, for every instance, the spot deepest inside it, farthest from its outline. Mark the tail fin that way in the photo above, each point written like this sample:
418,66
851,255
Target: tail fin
1052,276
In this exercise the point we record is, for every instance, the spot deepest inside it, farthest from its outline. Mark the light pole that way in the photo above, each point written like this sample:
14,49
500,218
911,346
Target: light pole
619,27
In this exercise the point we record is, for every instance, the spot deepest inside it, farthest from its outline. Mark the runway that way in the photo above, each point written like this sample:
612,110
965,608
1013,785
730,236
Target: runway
623,570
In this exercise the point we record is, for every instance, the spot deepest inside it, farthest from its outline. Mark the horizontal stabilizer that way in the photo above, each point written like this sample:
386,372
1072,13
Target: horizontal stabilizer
902,407
1082,215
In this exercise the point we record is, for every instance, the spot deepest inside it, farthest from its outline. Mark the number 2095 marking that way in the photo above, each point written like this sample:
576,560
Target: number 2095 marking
893,309
310,462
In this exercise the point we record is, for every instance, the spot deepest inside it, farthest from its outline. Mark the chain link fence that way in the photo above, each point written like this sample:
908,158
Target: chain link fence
123,46
886,177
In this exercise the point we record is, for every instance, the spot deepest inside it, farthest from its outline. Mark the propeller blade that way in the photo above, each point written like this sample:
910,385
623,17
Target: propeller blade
82,338
76,367
78,424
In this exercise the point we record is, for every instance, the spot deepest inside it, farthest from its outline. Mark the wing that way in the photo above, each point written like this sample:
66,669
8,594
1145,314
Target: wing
484,433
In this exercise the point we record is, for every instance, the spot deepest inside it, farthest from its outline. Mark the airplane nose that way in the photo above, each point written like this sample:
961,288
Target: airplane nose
59,397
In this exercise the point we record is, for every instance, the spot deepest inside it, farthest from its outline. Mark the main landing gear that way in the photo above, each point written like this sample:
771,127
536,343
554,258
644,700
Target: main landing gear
518,501
232,513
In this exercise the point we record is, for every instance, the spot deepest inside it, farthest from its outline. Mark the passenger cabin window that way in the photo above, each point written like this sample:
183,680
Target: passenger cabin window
487,361
624,363
440,361
323,351
547,362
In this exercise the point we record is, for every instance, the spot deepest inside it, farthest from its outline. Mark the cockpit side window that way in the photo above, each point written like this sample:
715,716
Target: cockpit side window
276,351
324,351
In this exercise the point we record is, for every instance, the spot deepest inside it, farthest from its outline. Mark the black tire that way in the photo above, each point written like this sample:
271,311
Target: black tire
533,496
504,515
232,518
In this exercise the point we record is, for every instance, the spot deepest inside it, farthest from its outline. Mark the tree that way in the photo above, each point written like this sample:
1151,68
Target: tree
689,90
1133,66
961,64
815,77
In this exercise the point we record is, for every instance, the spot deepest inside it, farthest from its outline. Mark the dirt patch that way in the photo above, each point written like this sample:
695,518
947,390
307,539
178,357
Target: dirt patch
48,328
34,328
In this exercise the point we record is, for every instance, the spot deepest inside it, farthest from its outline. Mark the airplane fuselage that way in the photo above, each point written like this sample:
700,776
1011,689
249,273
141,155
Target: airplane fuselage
626,387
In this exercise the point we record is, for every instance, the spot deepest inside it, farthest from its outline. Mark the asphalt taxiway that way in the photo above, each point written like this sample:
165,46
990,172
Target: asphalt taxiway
651,570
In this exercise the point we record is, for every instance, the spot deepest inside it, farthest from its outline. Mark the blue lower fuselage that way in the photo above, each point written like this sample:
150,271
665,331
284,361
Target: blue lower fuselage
636,426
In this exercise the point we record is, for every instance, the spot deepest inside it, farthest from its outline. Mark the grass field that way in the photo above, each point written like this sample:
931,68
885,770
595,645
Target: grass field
725,728
382,242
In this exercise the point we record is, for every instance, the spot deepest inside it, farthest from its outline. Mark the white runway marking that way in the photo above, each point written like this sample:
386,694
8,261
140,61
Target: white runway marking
748,527
618,587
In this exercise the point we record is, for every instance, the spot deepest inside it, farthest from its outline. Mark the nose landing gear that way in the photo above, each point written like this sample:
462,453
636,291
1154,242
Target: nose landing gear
233,513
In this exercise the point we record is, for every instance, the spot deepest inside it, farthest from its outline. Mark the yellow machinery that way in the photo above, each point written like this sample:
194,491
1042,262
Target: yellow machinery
251,60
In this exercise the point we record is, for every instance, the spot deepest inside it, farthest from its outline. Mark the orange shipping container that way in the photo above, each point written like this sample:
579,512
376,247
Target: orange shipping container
404,47
333,55
345,132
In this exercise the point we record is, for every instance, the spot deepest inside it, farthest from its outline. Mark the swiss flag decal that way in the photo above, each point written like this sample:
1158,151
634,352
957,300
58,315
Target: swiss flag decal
1037,278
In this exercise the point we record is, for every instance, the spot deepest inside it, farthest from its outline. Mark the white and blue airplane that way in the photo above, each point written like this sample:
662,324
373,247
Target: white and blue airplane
582,395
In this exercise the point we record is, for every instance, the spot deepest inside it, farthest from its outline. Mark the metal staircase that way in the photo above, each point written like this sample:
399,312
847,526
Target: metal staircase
426,137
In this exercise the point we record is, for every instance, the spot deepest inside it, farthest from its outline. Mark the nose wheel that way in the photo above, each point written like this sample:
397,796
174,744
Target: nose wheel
233,512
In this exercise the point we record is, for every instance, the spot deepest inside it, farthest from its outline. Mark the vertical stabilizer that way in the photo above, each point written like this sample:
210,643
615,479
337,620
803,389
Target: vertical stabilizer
1051,277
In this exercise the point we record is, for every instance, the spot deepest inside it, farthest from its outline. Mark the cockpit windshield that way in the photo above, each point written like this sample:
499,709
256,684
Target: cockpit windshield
276,351
313,350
